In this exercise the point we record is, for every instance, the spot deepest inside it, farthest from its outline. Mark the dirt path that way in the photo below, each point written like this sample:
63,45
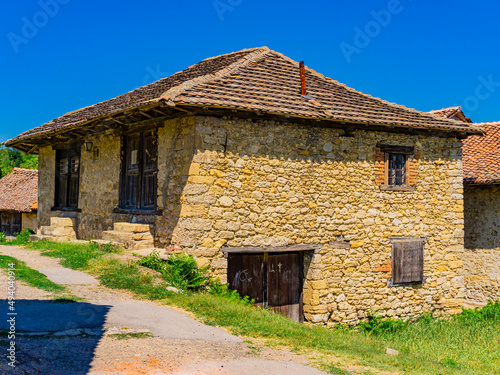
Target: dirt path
112,333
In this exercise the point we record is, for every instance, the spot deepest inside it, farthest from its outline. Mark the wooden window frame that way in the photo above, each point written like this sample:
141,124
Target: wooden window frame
143,171
71,177
406,152
407,261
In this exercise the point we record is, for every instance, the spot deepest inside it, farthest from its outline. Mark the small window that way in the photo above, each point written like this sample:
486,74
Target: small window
407,260
396,169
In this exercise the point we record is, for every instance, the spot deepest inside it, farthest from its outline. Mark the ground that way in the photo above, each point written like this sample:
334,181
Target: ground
110,332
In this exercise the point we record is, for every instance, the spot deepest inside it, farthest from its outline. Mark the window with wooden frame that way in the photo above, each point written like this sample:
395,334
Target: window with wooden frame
396,167
67,178
407,260
139,172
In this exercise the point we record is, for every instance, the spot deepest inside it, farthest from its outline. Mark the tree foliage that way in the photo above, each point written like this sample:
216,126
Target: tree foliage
10,158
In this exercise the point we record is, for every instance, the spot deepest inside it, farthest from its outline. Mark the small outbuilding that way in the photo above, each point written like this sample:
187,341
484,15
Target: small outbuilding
18,201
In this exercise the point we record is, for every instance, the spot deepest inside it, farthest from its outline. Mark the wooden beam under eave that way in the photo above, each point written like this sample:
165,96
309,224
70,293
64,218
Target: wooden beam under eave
33,150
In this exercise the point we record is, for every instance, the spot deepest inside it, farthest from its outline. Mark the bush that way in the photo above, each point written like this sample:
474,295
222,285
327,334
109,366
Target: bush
22,238
3,238
216,288
377,325
179,270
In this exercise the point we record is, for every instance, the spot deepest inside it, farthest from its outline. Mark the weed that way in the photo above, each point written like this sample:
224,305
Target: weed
3,237
179,270
377,325
21,238
67,299
132,335
216,288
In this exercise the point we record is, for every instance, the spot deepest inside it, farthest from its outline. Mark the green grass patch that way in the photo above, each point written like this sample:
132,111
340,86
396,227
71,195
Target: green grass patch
128,336
29,275
466,344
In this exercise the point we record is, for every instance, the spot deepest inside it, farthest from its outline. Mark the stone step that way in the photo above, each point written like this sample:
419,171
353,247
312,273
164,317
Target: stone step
133,227
115,235
130,240
63,222
64,232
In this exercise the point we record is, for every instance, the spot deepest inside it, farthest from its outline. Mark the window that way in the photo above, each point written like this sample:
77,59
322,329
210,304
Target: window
407,260
67,178
139,172
395,168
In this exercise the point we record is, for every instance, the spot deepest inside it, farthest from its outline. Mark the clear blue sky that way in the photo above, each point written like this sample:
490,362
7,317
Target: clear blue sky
422,54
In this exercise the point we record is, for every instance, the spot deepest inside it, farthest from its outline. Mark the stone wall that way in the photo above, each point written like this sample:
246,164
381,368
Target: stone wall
266,183
482,219
46,184
99,186
482,242
29,221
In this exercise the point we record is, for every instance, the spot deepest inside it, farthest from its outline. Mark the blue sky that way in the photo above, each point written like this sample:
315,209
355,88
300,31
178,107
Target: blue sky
61,55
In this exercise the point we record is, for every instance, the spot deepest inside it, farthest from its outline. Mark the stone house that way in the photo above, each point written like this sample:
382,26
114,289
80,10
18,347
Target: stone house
18,201
481,159
313,198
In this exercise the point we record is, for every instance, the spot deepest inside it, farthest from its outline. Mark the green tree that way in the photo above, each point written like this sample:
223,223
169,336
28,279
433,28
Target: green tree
10,158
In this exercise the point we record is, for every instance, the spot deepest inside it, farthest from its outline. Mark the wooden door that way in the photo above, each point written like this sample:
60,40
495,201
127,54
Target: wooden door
10,223
284,280
245,274
274,280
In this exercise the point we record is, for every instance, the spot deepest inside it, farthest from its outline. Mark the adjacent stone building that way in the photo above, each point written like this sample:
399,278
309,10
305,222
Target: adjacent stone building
481,159
315,199
18,201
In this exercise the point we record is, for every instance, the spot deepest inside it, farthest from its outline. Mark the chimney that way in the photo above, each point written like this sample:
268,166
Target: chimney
303,78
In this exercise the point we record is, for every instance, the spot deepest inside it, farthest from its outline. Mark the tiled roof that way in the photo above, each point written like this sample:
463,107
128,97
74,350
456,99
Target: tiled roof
258,80
481,156
19,190
454,113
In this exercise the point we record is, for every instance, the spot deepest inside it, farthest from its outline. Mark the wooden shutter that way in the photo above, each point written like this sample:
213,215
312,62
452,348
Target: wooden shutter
131,172
407,261
139,175
412,167
67,178
149,182
379,166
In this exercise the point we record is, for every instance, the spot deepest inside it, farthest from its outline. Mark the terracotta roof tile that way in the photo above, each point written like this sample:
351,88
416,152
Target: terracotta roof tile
454,113
19,190
259,80
481,156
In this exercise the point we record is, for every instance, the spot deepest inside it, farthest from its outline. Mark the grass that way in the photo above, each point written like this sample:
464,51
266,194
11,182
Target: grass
29,275
134,335
466,344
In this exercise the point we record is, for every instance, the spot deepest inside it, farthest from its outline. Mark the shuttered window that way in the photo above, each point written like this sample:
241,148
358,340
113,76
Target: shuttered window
407,260
67,178
139,174
396,167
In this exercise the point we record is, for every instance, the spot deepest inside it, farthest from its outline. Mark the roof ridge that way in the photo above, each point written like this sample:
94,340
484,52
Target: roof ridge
487,123
446,108
257,54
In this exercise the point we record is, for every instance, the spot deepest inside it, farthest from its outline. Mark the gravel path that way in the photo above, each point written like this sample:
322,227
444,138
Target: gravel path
112,333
